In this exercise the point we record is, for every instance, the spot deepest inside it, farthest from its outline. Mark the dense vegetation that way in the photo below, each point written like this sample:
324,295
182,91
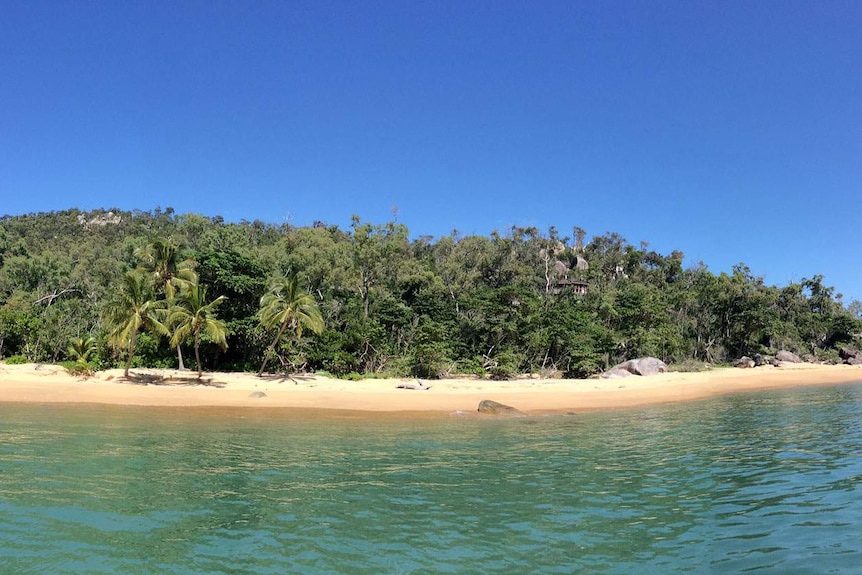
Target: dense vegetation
494,305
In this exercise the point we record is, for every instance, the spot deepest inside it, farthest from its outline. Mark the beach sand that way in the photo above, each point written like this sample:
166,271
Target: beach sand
168,388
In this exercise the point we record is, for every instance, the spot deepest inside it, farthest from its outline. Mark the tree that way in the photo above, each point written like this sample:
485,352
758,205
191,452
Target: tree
286,307
81,350
161,260
192,315
134,308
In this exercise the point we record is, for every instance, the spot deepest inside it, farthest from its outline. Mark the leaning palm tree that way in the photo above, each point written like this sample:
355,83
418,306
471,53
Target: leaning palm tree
133,309
161,261
285,306
192,315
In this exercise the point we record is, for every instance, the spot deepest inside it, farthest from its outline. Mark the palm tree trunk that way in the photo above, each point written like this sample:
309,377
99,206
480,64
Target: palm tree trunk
272,347
132,341
180,365
198,355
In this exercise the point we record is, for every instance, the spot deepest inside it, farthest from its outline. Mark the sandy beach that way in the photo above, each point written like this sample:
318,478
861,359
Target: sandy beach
151,387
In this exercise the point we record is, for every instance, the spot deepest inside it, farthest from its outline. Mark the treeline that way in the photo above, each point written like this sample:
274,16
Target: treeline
516,302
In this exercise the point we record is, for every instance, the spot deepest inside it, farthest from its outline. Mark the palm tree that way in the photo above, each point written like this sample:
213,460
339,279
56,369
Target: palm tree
285,306
161,260
192,316
81,349
133,309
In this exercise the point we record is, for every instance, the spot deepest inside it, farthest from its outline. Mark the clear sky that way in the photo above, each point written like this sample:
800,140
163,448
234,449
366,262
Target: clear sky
730,130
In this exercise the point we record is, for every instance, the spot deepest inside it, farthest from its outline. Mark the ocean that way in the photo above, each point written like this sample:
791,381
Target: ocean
767,482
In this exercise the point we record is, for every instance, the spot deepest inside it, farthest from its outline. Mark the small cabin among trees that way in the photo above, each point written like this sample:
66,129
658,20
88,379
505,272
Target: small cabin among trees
576,286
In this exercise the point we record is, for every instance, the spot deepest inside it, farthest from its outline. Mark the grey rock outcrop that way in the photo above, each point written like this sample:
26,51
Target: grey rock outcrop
744,362
787,356
256,394
643,366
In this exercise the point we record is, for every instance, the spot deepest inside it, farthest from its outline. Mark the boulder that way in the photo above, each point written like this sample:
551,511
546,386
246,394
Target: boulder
787,356
256,394
744,362
494,408
643,366
853,360
616,373
846,353
760,359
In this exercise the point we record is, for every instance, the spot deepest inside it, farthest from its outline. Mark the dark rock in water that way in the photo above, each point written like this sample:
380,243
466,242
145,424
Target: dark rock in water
787,356
257,394
641,366
494,408
744,362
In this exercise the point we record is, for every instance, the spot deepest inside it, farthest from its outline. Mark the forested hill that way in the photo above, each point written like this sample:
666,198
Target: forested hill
526,300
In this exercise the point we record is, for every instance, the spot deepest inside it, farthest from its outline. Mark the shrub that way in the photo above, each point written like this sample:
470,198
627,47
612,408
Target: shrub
78,368
470,366
689,365
429,360
507,364
15,360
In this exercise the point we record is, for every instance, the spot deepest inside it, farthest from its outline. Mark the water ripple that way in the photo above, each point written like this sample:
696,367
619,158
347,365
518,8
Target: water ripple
764,483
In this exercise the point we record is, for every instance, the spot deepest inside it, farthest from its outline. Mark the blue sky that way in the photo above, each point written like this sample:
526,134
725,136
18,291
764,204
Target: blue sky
729,130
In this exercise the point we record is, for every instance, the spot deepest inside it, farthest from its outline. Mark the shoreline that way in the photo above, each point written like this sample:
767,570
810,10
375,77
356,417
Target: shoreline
40,384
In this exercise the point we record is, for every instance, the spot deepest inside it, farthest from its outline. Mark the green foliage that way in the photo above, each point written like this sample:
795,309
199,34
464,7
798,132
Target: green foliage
371,300
16,360
470,366
78,368
286,306
430,360
689,366
505,366
81,350
133,309
192,316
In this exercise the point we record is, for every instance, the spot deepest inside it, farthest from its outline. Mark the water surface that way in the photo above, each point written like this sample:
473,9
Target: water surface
763,482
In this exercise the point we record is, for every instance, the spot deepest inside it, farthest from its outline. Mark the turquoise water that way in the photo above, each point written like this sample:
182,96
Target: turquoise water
766,482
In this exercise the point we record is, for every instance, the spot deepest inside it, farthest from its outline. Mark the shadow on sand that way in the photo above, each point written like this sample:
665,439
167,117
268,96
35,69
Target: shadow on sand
174,379
283,377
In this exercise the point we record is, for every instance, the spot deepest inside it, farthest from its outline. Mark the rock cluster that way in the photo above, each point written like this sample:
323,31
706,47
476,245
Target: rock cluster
782,357
850,356
639,366
744,362
787,356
